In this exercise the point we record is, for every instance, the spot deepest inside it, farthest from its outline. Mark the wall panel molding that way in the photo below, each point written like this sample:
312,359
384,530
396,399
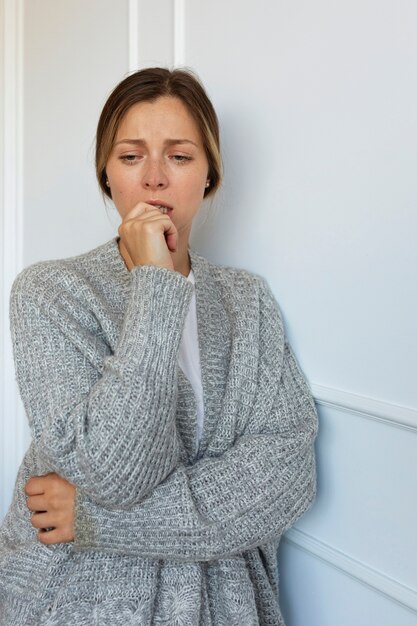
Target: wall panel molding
12,430
370,408
357,570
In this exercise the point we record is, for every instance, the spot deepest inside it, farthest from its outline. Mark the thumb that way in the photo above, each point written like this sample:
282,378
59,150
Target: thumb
171,240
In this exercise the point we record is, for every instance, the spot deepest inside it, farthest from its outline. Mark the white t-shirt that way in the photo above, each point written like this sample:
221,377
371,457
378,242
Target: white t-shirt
189,358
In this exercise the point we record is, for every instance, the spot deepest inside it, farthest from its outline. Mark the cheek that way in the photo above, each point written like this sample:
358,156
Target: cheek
123,186
194,183
120,197
193,194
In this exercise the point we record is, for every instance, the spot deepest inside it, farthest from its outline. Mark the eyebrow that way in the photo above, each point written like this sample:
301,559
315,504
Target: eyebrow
167,142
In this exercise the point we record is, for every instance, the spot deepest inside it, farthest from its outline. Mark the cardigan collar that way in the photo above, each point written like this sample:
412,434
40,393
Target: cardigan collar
214,336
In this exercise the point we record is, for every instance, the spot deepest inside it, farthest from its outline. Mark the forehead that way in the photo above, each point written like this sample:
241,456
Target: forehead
165,116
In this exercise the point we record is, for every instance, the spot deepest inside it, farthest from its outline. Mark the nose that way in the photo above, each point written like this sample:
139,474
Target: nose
154,175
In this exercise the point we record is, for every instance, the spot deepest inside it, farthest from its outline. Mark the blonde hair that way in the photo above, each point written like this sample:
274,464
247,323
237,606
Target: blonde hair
146,86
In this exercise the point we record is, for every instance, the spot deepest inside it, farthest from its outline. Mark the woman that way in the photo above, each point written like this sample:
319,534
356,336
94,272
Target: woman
172,429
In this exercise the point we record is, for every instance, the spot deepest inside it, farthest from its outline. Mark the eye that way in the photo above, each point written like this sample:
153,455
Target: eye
129,158
181,158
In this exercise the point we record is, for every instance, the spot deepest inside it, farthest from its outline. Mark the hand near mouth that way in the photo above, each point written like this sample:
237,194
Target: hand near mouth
149,235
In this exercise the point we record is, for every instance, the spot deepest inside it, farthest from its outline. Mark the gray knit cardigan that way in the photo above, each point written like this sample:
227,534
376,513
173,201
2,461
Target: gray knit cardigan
164,535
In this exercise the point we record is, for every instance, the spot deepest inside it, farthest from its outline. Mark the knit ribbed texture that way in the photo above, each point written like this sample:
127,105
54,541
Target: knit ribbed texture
163,535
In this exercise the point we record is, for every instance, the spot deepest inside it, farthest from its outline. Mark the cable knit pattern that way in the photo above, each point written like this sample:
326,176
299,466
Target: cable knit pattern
164,535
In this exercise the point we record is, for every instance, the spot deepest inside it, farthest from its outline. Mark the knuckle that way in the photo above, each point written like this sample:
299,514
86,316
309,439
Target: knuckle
55,487
59,536
36,521
47,480
60,519
54,501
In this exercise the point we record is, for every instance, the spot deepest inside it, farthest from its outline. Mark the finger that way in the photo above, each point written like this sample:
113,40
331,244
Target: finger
170,231
37,503
35,485
55,535
43,519
144,215
56,519
171,235
139,209
151,217
171,240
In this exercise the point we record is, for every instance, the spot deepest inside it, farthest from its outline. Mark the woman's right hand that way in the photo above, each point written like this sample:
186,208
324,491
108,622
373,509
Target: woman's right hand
51,498
148,236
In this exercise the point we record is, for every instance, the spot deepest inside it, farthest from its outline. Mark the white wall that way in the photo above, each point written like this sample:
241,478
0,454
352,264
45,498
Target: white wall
74,53
319,127
61,59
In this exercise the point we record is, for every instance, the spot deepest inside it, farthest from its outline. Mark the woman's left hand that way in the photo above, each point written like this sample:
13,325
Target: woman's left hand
52,500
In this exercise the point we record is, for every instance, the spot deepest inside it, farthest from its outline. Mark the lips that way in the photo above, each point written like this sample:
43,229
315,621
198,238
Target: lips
161,205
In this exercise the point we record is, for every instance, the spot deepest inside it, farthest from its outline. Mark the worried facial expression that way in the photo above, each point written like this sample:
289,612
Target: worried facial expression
159,157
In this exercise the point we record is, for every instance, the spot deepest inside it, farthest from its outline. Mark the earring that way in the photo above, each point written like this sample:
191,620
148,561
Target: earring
207,183
107,182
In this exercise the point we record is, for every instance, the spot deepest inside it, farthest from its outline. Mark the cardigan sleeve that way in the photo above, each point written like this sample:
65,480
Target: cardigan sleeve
239,500
95,414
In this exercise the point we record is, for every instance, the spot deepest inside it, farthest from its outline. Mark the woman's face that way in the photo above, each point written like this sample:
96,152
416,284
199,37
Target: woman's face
158,156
